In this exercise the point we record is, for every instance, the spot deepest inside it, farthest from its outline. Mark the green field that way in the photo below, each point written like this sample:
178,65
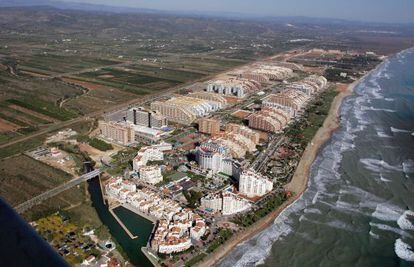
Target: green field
53,63
43,107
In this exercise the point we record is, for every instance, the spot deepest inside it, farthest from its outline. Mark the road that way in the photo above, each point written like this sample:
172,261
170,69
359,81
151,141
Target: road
264,156
55,191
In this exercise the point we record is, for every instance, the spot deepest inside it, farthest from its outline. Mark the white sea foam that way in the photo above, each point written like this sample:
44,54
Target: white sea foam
381,109
389,99
315,198
371,108
377,165
408,166
374,92
383,134
403,250
387,212
313,210
343,226
387,228
374,235
395,130
384,179
406,220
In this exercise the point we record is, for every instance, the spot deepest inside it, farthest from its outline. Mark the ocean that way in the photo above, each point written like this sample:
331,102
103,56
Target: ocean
358,209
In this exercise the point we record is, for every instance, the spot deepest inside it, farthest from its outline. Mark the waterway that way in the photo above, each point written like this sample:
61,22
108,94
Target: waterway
136,224
358,209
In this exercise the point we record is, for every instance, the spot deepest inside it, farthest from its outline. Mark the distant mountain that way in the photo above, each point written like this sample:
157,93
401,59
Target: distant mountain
121,9
74,5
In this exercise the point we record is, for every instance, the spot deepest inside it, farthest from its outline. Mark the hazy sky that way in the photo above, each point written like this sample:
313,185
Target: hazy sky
364,10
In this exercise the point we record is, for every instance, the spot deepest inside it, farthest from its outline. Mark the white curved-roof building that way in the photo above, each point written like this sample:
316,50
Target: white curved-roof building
266,72
186,109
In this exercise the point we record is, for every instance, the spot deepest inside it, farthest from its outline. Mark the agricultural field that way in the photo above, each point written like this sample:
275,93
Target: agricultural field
19,117
49,64
22,178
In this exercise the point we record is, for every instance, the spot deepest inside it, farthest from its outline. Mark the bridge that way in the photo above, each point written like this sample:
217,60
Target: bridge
55,191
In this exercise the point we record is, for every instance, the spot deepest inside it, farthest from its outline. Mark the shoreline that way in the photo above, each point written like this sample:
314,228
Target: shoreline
300,179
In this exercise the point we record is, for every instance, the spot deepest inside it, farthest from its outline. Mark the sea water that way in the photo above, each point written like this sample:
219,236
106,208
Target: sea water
359,207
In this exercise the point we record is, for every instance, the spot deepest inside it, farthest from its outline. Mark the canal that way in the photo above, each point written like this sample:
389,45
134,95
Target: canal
138,226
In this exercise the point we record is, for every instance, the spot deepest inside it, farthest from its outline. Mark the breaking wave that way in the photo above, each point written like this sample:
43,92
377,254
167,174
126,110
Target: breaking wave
403,250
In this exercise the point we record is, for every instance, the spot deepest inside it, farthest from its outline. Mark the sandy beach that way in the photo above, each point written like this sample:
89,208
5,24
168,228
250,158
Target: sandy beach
299,181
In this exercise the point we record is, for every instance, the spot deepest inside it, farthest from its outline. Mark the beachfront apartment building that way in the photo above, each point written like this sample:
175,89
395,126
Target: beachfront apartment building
269,120
253,184
212,202
290,100
118,132
309,85
226,203
233,204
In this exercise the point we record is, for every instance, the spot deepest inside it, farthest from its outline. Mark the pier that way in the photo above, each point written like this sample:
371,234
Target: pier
111,210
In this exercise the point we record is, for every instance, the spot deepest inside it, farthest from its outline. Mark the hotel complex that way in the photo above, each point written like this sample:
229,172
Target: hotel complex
215,157
142,117
185,109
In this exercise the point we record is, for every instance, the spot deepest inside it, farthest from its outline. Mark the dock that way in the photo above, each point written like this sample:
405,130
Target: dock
121,223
